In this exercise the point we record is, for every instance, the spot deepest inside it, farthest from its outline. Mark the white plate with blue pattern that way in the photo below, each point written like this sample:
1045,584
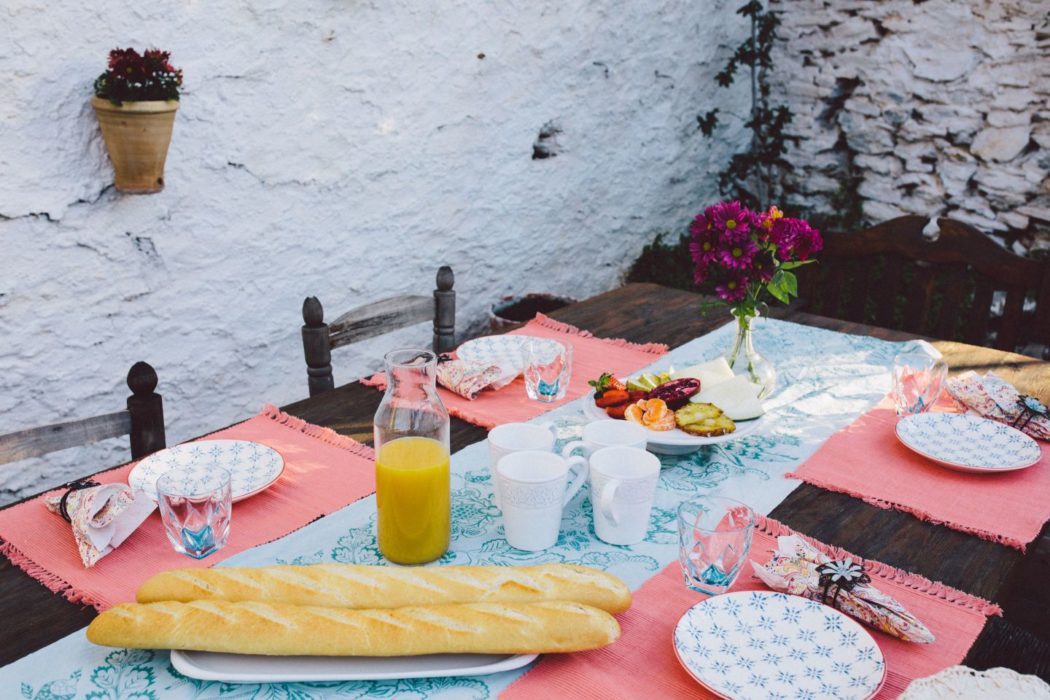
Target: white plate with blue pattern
757,645
967,443
503,350
253,467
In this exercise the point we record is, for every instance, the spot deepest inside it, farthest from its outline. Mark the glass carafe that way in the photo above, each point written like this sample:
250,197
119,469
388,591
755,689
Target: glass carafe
412,461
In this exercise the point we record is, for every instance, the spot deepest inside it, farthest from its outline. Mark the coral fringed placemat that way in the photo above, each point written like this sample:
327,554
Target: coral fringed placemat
591,357
323,471
643,663
866,460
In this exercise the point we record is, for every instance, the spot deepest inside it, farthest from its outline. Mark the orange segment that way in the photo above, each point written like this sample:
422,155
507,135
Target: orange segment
635,412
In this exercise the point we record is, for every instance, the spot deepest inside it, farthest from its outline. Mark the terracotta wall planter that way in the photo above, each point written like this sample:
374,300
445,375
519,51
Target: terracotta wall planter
137,135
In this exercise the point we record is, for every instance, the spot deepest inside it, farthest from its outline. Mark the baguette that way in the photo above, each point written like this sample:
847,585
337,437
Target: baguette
359,586
290,630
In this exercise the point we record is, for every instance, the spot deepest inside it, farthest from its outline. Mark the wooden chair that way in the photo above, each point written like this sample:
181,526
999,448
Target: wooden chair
371,320
143,421
940,284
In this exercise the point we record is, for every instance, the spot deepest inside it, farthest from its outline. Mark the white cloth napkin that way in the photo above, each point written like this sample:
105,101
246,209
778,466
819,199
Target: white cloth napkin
102,517
468,379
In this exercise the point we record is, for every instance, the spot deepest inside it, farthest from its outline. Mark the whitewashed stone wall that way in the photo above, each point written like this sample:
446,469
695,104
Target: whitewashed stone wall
343,149
942,106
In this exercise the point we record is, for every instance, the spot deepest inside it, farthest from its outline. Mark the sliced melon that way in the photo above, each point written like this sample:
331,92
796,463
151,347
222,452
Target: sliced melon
643,382
709,373
737,397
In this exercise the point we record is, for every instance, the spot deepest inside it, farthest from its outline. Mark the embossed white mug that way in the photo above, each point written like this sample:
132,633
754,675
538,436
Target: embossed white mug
532,486
607,433
623,486
516,437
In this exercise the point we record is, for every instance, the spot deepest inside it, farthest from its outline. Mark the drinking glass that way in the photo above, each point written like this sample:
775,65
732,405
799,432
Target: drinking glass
548,368
917,382
714,537
195,507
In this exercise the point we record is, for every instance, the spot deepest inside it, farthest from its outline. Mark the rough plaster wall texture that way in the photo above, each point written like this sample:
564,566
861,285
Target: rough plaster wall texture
339,149
941,105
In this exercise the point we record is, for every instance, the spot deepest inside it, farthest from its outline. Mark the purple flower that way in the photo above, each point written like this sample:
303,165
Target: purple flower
763,266
795,239
703,247
737,251
731,217
733,289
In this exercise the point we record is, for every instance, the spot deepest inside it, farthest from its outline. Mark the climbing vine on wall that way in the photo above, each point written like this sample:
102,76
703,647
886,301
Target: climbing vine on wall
752,175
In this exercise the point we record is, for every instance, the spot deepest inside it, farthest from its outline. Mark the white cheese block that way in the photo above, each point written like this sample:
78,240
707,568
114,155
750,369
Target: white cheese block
737,397
710,373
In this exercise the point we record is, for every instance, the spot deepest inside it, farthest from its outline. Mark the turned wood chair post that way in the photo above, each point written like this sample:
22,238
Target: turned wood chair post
444,311
146,408
317,347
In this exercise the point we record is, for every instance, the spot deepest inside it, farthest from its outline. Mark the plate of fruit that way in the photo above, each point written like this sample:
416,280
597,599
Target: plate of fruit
683,410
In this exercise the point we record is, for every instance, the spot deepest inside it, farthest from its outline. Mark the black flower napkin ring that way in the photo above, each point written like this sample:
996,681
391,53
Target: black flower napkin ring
1030,408
70,488
843,575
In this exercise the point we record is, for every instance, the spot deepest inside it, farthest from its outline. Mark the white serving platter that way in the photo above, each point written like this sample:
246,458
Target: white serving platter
753,645
967,443
246,668
253,467
677,442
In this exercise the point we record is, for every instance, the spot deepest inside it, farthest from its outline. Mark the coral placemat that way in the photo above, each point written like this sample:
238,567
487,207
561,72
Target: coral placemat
591,356
323,471
642,664
866,460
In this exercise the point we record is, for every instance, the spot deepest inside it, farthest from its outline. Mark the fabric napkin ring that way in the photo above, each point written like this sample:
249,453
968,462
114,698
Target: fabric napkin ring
840,575
70,488
1031,407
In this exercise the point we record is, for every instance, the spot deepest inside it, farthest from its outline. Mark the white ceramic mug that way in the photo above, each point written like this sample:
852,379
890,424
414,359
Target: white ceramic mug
516,437
532,485
623,486
607,433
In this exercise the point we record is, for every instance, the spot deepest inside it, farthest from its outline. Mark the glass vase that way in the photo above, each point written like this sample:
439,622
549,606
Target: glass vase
412,461
744,359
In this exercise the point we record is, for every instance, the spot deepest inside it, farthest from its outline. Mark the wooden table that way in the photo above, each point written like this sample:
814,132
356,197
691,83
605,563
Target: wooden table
1020,583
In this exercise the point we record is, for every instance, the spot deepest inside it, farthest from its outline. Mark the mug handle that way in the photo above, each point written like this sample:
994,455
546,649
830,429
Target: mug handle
578,481
606,498
549,425
567,451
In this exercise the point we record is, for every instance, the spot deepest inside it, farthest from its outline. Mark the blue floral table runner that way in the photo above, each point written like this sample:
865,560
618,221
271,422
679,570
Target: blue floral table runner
826,380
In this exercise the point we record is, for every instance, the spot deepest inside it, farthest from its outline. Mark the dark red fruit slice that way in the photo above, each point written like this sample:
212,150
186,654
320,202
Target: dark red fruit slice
676,393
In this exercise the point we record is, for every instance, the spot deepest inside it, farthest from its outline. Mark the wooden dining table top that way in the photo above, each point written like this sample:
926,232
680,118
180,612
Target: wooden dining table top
1018,581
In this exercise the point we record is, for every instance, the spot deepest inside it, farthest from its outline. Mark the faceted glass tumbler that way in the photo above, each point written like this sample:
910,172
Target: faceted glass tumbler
714,537
917,382
195,506
548,369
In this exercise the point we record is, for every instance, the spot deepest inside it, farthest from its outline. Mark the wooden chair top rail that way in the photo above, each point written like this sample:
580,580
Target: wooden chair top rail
37,442
957,244
380,317
143,421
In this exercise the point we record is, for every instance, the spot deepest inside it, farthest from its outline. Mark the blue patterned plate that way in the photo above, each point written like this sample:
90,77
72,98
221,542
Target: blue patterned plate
252,467
967,443
758,645
506,350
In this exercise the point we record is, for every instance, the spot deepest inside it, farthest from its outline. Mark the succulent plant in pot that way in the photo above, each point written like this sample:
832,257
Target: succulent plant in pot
135,102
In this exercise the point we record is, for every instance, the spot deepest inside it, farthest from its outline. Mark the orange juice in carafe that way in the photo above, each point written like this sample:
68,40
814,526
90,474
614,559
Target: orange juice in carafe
412,499
412,461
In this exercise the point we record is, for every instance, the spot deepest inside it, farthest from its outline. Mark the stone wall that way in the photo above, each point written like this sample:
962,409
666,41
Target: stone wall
343,149
935,107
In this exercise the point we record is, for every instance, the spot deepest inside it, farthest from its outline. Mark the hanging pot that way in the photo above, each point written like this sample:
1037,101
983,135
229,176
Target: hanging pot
137,136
